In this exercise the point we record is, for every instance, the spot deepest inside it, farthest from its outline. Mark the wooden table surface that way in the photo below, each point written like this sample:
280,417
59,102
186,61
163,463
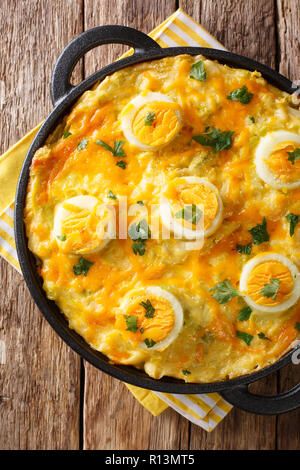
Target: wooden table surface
49,397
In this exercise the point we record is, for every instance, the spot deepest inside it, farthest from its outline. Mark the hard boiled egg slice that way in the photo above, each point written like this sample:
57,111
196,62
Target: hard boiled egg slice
151,121
153,317
274,165
270,283
190,206
82,225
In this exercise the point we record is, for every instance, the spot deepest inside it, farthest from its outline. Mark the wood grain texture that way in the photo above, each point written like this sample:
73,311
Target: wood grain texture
288,26
39,384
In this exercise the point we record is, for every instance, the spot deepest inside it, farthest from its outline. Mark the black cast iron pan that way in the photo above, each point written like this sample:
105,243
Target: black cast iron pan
64,96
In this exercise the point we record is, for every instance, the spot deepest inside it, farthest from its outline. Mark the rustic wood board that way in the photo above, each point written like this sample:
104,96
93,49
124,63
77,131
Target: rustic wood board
40,382
49,399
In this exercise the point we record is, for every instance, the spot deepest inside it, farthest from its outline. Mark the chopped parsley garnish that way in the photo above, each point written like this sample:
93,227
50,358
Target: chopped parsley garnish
121,164
271,290
295,155
293,219
62,237
252,119
117,151
215,138
198,71
149,343
139,233
259,233
140,203
263,336
191,213
244,336
224,292
244,314
142,330
82,267
244,249
149,308
82,144
139,248
111,195
66,134
297,326
131,323
240,94
149,119
185,372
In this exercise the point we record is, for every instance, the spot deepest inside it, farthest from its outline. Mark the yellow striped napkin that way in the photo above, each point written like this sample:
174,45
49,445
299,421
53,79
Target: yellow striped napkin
205,410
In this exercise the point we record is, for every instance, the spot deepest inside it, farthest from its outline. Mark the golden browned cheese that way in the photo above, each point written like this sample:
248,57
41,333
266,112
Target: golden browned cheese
207,346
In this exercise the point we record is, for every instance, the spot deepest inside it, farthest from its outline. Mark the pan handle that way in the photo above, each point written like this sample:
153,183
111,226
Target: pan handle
60,81
263,405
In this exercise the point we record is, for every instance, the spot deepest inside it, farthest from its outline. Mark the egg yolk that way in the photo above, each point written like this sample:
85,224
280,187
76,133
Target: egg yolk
82,229
203,196
156,327
263,274
156,123
281,166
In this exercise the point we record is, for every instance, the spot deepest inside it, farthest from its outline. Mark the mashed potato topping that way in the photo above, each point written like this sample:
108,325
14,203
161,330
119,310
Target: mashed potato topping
181,143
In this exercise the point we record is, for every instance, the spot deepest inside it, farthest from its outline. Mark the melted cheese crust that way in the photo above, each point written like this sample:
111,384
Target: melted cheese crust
207,345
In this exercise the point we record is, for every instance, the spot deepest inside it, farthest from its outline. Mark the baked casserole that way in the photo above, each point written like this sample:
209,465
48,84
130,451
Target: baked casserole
164,214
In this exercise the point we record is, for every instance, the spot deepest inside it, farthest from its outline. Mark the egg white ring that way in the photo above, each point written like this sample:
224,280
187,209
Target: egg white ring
84,202
264,149
270,257
171,223
178,316
128,117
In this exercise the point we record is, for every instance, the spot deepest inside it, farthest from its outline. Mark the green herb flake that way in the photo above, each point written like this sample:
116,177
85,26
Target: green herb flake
252,119
150,310
198,71
66,134
121,164
263,336
111,195
82,145
149,343
186,372
82,267
216,139
271,290
244,336
240,94
139,231
149,119
224,292
244,314
244,249
62,237
131,323
293,156
259,233
140,203
293,220
191,213
117,150
142,330
297,326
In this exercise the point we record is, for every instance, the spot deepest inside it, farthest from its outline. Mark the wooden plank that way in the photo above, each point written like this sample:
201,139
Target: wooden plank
246,28
40,380
288,24
113,419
